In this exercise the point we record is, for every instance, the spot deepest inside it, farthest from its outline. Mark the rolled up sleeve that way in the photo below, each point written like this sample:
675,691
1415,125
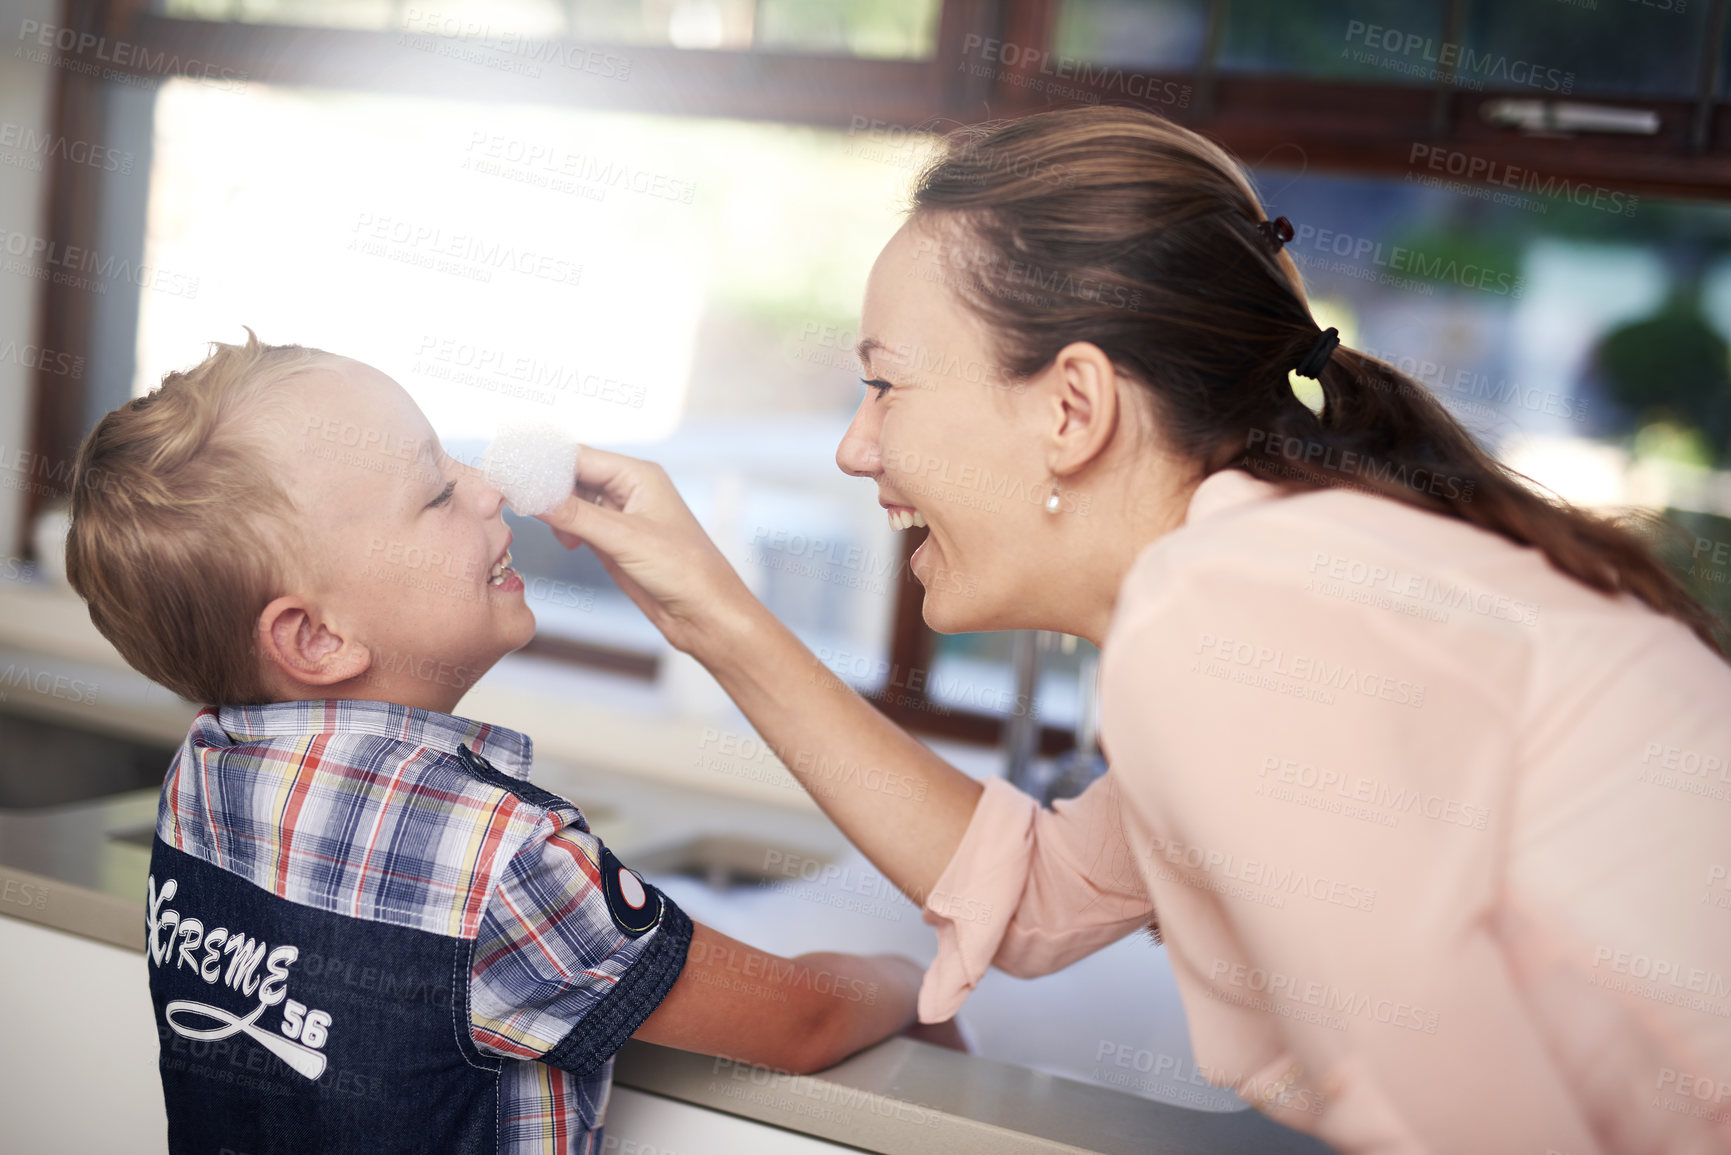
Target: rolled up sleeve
1030,891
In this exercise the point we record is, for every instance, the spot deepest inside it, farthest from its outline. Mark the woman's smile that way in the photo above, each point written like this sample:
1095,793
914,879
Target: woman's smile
904,516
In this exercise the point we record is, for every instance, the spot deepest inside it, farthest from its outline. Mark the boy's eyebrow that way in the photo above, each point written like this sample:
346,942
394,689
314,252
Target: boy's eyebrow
424,455
427,453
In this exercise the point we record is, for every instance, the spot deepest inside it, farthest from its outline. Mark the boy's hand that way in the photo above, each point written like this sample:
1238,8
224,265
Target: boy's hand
798,1015
628,511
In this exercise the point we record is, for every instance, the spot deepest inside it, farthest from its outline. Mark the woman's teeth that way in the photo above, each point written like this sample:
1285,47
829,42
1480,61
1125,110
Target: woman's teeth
497,577
906,518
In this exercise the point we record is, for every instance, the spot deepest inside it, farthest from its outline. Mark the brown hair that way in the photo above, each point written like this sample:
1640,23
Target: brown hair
181,534
1117,227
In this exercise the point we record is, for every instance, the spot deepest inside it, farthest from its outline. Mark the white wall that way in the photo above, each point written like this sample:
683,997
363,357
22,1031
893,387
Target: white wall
25,90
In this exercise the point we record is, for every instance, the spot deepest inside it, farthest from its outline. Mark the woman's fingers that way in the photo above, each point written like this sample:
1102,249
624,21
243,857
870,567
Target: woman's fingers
615,500
616,478
629,513
580,519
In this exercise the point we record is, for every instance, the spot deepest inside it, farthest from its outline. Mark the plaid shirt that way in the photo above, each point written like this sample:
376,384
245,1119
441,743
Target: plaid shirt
382,812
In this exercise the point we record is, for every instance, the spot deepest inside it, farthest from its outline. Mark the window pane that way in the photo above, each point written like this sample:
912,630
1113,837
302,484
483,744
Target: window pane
900,29
705,24
477,17
1552,49
1724,88
1129,33
974,673
1609,47
684,290
1334,39
1580,336
880,28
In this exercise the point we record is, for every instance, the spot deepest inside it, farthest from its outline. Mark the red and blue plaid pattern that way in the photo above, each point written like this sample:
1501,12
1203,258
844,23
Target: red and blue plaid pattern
371,810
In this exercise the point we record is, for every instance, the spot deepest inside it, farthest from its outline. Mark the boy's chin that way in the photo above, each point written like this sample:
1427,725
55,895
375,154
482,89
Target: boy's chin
522,632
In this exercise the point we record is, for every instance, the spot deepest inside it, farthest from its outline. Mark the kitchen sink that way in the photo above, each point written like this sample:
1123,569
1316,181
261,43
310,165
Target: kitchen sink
45,763
724,860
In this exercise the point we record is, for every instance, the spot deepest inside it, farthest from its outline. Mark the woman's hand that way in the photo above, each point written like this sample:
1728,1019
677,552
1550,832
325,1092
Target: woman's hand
813,720
628,510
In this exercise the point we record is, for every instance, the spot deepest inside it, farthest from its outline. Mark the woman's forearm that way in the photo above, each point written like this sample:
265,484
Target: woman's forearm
902,805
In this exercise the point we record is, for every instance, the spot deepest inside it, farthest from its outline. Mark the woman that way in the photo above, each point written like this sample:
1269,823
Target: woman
1420,771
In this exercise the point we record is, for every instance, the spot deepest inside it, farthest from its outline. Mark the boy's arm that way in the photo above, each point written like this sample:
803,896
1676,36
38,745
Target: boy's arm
576,953
798,1015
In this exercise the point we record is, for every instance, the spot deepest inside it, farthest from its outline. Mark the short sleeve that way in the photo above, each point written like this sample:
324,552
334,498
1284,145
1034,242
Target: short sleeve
574,952
1030,891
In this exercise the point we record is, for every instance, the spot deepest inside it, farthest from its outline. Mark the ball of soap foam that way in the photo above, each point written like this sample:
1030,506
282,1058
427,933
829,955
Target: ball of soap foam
533,464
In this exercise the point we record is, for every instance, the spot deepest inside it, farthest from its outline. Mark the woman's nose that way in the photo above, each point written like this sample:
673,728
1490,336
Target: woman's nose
858,454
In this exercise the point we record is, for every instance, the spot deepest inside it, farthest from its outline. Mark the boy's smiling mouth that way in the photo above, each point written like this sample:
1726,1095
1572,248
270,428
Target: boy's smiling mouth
502,575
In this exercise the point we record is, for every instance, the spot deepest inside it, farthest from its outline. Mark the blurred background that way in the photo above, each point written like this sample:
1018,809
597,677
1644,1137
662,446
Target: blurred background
701,186
651,221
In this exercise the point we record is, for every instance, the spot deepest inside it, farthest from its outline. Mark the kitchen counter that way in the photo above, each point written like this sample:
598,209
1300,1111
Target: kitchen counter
704,811
80,870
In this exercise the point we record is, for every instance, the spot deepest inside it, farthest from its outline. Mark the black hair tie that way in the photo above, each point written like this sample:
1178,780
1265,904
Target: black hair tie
1276,232
1326,343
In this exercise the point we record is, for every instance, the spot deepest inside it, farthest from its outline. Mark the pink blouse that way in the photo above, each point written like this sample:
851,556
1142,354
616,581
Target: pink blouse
1439,838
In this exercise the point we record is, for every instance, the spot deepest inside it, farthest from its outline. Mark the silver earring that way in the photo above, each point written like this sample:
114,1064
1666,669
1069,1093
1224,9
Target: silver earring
1052,499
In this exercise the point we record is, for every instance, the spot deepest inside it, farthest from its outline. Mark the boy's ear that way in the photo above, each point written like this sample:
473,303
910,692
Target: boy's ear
305,648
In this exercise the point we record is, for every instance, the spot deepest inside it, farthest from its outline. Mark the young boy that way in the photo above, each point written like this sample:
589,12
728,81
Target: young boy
368,931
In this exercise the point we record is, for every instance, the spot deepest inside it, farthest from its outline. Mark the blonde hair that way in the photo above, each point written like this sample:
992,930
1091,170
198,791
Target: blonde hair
181,533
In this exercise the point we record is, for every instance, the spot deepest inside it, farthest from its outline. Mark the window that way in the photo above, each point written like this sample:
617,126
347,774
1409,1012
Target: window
1385,124
665,287
892,29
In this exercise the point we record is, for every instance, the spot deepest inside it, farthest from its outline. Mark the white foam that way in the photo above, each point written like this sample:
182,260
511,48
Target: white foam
533,463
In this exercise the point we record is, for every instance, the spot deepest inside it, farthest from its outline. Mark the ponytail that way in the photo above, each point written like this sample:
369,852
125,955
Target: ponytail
1379,430
1117,227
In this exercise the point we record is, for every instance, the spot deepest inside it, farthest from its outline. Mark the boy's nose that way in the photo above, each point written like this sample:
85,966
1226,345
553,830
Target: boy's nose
488,497
492,497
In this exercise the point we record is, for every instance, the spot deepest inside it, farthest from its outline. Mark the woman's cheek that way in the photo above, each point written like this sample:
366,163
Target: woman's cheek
901,464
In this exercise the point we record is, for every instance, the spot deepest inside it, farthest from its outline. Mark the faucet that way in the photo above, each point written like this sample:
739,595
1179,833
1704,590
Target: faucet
1022,729
1068,775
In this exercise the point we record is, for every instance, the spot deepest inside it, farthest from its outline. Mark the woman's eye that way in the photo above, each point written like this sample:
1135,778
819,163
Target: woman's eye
881,386
444,496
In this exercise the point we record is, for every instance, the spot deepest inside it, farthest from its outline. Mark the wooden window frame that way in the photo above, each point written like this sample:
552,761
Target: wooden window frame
1337,126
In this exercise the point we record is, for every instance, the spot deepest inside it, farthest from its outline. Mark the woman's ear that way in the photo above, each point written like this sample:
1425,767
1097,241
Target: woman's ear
1084,405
